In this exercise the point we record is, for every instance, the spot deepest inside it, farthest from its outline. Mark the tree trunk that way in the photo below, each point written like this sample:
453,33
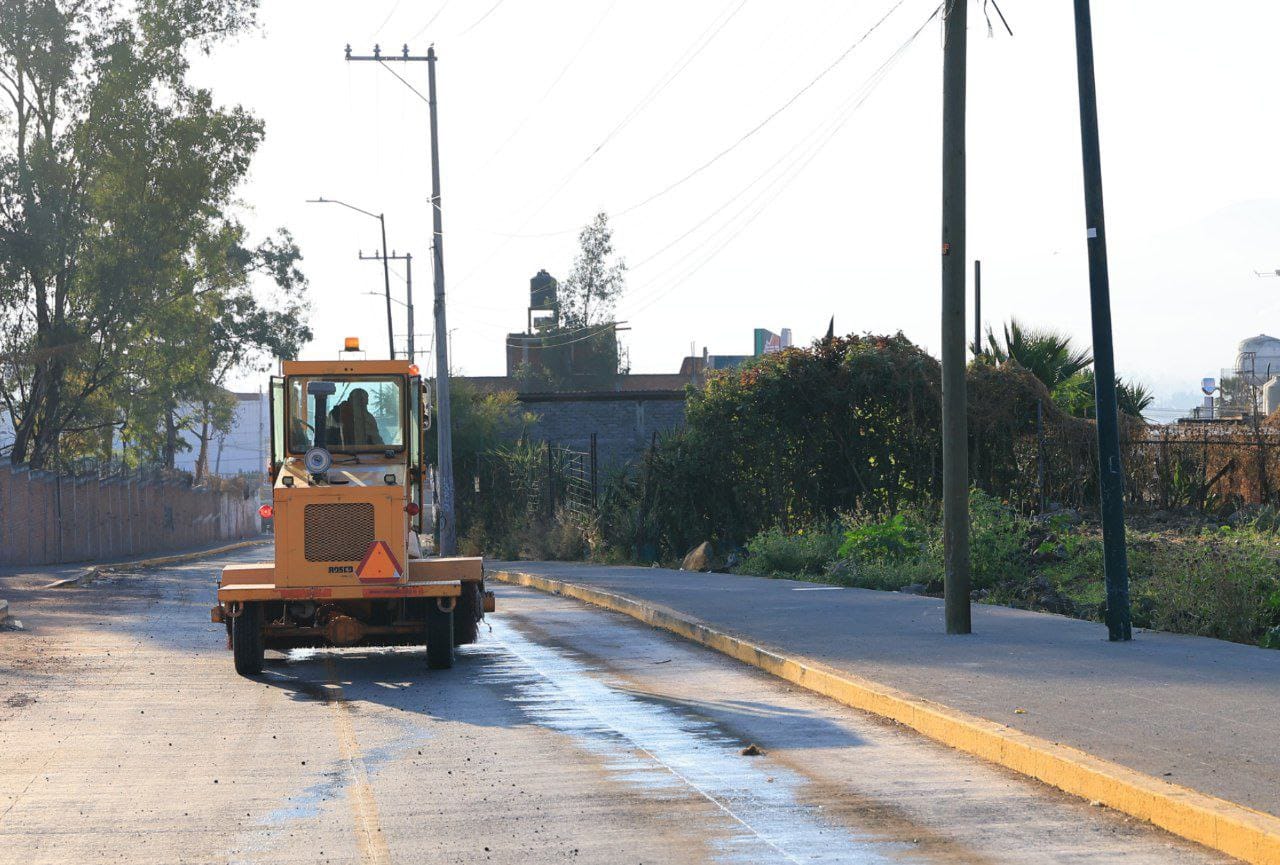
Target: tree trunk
202,458
170,439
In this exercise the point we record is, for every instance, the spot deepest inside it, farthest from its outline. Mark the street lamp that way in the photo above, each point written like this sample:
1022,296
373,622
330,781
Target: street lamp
386,270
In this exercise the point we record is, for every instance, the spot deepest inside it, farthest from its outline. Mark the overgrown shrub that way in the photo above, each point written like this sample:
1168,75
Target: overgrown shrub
997,541
1222,586
777,552
892,539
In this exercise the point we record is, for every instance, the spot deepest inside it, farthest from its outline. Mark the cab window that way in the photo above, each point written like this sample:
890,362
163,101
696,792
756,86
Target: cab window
346,414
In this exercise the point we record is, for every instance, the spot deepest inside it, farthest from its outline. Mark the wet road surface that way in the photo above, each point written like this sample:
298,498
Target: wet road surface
567,734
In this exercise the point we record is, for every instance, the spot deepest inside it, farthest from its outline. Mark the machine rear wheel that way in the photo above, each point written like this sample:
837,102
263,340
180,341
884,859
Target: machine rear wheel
466,615
248,642
439,636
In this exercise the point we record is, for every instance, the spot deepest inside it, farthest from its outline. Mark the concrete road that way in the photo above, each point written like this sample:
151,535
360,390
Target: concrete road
566,735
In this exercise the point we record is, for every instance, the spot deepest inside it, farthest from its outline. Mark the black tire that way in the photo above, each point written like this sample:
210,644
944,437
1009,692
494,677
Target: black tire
467,614
248,640
439,636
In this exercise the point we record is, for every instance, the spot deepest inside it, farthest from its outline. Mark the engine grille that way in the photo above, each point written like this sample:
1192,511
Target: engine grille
337,532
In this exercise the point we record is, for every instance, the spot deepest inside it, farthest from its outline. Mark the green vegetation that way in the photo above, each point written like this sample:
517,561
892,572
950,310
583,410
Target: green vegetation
1214,581
1065,371
127,283
774,552
821,464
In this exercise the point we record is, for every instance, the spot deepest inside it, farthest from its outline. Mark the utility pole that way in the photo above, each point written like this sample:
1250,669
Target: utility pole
1110,477
386,284
955,425
448,534
407,258
977,308
386,271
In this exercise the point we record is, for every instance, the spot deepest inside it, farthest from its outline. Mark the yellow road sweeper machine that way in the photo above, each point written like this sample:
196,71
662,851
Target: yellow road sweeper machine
350,489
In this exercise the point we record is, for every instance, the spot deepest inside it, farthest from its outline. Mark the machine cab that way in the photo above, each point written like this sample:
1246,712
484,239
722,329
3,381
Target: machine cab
347,466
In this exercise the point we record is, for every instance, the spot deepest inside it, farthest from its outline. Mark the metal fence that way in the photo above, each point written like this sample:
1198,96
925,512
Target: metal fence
528,483
1206,466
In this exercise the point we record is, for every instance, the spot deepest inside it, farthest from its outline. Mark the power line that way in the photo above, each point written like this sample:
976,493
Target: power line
706,38
770,117
430,21
742,139
552,86
783,181
800,156
382,26
477,22
690,53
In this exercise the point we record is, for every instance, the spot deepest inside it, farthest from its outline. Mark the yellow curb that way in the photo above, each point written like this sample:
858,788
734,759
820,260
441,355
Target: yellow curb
95,570
1250,835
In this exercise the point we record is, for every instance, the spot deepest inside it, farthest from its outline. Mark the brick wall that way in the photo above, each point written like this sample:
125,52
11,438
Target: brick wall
624,423
47,518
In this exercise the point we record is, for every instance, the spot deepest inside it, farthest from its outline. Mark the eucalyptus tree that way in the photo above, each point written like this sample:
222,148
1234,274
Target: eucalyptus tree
596,281
119,261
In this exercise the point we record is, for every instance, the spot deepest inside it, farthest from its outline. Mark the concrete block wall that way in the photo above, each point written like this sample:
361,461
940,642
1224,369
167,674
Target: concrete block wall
624,423
47,518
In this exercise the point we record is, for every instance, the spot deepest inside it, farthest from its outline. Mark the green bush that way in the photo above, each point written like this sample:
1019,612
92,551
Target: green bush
997,541
885,574
893,539
1222,586
775,552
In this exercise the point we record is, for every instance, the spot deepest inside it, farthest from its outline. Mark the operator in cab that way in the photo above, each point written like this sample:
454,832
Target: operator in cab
352,421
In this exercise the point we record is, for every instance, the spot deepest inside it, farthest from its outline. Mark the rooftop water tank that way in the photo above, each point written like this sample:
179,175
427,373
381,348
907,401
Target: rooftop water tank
542,291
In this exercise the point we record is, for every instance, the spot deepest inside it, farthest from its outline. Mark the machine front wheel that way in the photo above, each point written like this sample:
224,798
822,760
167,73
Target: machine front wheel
439,636
248,641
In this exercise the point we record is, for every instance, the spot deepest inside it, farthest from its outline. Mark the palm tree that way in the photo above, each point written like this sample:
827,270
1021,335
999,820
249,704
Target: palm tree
1076,396
1046,354
1133,397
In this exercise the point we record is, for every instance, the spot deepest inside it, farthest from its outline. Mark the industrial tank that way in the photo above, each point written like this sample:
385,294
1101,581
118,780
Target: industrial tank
1258,359
1271,396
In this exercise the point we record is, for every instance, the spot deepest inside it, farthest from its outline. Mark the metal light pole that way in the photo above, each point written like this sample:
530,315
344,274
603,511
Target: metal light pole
1110,477
386,270
444,430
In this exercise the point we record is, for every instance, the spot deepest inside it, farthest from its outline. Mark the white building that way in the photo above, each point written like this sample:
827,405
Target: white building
242,449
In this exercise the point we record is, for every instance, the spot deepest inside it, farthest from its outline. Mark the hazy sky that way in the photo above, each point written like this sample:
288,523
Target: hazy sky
550,111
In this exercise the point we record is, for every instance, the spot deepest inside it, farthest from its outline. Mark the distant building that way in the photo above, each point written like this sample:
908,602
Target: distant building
242,449
766,342
546,353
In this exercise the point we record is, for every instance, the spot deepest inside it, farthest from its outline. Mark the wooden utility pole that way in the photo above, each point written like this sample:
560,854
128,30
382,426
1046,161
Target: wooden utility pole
955,426
1110,476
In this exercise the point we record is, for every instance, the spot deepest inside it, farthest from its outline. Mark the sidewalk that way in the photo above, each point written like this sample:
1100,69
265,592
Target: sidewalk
1197,712
28,578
